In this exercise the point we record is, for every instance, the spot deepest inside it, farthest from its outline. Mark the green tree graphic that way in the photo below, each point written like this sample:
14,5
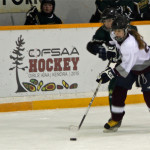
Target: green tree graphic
18,58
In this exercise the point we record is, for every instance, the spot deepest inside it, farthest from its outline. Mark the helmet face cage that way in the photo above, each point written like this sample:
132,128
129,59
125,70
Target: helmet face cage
120,39
121,22
106,29
108,13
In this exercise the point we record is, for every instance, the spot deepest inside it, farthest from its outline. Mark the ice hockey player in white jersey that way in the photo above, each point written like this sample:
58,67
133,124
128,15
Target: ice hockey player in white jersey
134,66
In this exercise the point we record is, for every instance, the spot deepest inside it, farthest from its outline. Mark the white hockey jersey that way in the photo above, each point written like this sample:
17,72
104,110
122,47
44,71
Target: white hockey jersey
132,57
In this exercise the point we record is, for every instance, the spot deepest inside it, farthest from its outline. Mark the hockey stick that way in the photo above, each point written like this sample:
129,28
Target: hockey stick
95,93
36,17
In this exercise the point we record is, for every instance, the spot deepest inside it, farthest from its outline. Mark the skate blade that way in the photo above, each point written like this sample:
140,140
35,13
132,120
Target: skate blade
110,130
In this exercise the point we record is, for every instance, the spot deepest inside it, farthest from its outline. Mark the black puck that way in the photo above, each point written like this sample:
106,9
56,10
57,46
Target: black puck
73,139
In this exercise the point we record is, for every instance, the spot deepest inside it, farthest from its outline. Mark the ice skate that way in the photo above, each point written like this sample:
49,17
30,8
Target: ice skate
112,126
118,124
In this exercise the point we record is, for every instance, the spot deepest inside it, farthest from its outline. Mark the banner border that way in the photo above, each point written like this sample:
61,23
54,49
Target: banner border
62,26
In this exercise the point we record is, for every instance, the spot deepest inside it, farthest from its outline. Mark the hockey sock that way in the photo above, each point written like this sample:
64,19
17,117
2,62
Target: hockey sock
118,101
111,89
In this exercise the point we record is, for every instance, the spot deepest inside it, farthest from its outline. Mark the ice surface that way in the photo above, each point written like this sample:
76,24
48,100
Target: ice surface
49,130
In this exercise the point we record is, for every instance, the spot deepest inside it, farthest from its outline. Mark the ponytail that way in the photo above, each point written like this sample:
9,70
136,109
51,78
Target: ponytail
139,38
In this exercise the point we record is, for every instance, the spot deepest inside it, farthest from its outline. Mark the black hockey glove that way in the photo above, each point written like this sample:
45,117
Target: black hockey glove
113,54
96,48
106,75
32,12
102,52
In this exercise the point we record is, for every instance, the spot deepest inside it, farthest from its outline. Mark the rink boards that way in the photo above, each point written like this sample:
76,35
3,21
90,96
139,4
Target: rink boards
48,67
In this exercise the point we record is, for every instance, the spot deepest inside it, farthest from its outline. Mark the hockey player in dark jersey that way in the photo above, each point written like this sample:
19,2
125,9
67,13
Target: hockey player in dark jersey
101,40
46,16
125,7
102,35
135,65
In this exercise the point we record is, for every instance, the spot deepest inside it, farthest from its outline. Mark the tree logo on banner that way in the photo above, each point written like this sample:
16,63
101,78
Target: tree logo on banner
33,85
17,58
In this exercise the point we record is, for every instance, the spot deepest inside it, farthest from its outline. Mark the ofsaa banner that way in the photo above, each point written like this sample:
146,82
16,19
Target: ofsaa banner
49,61
13,6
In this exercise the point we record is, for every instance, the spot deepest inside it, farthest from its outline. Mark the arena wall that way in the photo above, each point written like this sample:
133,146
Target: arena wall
48,67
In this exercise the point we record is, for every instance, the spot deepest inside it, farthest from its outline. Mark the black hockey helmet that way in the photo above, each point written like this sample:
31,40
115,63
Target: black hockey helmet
109,13
121,22
48,1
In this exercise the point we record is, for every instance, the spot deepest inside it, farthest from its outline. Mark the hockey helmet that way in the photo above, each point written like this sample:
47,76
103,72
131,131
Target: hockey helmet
121,22
109,13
